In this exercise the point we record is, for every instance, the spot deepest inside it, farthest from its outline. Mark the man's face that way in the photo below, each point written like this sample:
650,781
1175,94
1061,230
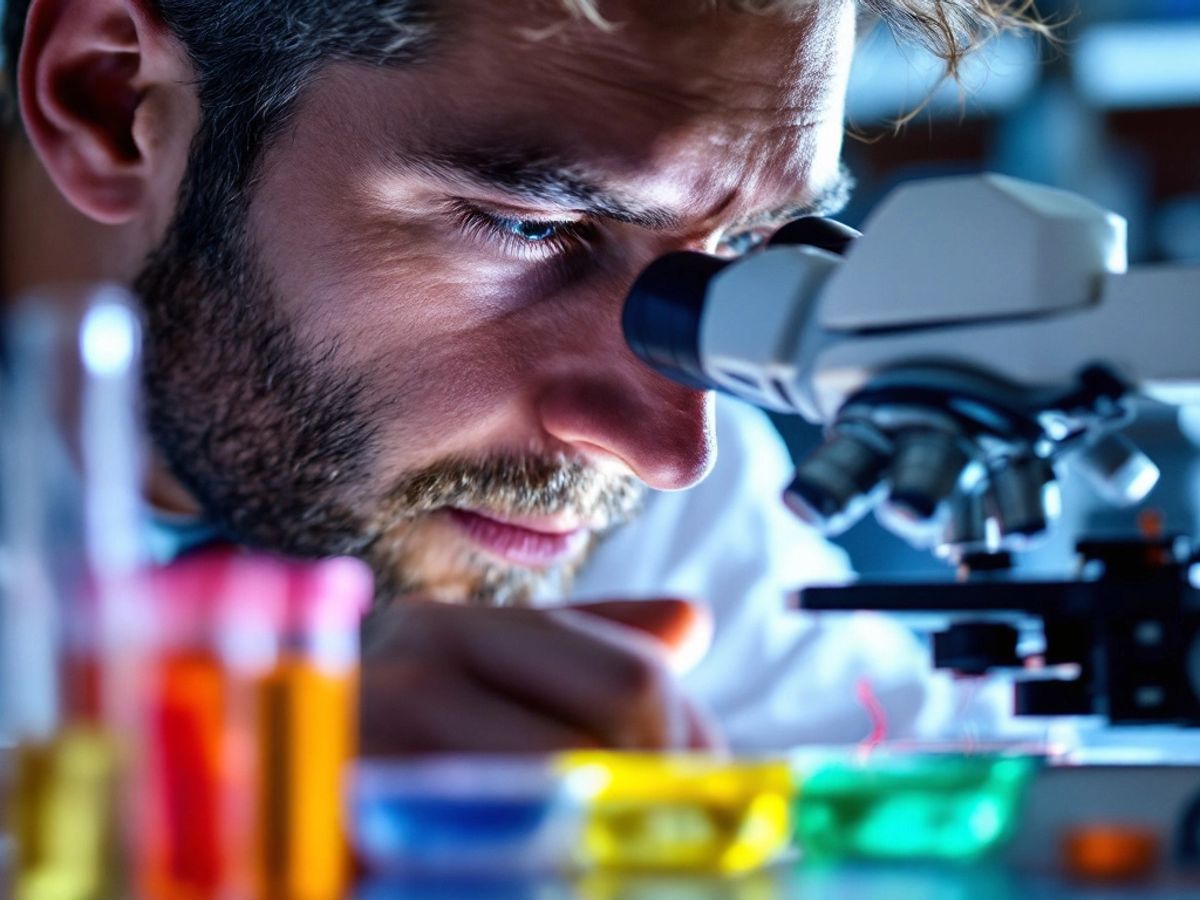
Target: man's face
437,256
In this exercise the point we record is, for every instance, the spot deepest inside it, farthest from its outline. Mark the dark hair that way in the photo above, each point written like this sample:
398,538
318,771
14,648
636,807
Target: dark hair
254,57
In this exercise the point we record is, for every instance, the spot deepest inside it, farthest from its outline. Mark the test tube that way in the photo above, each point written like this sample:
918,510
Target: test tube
214,630
250,726
70,498
307,723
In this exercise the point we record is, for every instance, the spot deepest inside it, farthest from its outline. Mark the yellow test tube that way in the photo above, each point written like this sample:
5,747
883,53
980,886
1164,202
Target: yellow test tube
64,813
304,748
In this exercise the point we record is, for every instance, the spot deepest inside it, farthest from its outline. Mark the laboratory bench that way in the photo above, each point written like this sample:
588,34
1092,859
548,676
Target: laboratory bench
791,882
1163,800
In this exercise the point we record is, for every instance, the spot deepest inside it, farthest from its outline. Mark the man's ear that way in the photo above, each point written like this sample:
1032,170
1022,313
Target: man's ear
103,90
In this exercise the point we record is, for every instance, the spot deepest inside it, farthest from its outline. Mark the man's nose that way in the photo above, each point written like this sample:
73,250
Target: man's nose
661,432
612,407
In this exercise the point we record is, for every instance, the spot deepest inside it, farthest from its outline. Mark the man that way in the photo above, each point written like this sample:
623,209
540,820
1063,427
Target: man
382,248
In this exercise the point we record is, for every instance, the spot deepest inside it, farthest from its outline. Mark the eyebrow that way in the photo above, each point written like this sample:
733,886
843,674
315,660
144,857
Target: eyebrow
543,178
827,199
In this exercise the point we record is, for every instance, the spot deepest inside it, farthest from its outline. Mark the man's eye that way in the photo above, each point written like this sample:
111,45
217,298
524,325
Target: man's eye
530,229
526,238
740,243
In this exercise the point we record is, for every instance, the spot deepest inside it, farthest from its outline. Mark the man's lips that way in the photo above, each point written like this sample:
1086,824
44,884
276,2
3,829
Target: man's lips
523,541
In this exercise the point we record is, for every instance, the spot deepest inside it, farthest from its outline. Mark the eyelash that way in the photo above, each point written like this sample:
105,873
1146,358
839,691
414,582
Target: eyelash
566,238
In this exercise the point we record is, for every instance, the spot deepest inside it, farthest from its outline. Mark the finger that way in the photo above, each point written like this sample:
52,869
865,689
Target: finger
428,712
596,675
672,621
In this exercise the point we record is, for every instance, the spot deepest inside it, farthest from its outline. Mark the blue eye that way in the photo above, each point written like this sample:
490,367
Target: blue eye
530,230
533,239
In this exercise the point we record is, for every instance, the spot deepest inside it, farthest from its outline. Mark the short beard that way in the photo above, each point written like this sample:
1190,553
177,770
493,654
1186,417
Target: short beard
504,487
278,444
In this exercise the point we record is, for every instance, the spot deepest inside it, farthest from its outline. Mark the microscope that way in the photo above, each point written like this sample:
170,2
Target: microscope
980,335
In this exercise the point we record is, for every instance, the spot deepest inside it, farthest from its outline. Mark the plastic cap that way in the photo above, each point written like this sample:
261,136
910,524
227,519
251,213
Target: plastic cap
332,593
204,597
201,595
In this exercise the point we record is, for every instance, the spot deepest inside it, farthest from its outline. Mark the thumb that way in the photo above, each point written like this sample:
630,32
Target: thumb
684,628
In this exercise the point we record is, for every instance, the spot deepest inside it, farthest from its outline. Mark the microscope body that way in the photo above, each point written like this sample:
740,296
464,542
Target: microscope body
981,334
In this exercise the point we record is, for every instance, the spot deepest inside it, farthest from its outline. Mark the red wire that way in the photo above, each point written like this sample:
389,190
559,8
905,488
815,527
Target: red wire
875,713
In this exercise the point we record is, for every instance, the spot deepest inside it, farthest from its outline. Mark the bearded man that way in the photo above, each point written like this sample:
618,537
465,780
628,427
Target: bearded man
382,247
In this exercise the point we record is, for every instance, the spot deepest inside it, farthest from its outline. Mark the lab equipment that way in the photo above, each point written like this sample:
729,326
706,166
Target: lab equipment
182,732
475,814
70,593
307,709
580,812
250,705
979,333
65,817
684,813
892,805
192,791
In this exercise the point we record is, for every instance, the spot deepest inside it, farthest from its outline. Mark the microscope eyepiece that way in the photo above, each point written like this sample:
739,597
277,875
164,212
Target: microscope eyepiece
663,313
816,231
667,303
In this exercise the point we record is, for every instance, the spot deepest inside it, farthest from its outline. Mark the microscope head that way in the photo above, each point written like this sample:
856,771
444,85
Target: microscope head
957,352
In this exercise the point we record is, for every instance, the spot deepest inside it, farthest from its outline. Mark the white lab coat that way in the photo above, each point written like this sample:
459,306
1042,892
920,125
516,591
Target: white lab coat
774,677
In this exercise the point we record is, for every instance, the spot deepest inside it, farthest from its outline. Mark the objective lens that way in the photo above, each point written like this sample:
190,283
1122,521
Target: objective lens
830,486
1117,470
924,472
966,527
1024,492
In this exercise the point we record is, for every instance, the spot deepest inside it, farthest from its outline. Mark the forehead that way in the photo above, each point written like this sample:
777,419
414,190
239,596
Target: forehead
671,87
662,75
685,57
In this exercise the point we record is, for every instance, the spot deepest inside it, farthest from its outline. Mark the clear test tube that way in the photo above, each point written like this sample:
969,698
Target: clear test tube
307,726
70,498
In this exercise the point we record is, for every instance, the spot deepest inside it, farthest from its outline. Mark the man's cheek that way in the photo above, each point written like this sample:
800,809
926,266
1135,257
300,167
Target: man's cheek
409,313
438,404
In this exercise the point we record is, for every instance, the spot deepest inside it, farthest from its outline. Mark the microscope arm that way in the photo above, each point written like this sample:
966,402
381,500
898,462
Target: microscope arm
1145,328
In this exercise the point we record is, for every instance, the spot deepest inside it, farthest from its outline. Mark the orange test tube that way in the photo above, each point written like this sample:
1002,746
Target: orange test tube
307,722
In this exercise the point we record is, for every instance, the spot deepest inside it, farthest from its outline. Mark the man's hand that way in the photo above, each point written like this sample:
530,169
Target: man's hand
441,678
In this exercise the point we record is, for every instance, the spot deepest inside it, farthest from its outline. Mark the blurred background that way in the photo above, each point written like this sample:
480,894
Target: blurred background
1112,112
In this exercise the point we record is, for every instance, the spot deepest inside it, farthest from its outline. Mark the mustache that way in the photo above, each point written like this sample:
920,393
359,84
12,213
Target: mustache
517,486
